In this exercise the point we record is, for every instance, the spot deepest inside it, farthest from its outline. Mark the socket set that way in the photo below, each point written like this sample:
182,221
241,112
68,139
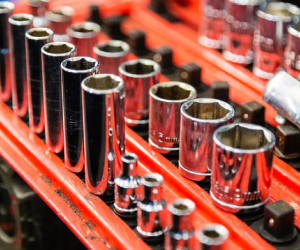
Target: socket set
143,127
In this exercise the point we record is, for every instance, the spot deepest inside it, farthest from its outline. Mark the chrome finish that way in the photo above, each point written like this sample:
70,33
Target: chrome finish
199,120
270,37
19,24
73,71
164,114
181,234
111,54
152,213
139,76
38,9
52,56
103,130
281,93
128,186
241,166
84,36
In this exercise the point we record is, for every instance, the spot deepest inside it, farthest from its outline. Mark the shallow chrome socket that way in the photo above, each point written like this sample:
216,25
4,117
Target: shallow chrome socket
199,120
6,9
103,130
84,36
52,56
111,54
19,24
241,166
270,37
152,213
181,234
73,71
139,76
164,114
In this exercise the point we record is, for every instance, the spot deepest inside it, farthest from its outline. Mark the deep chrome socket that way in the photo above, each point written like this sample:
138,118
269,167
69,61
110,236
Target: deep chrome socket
36,38
270,37
211,33
111,54
280,94
52,56
73,71
139,76
164,114
84,36
213,237
19,24
241,166
128,186
152,213
239,28
103,130
199,120
6,9
181,234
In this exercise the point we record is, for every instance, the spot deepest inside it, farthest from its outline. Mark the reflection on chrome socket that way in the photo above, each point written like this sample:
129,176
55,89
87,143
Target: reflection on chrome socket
127,186
181,234
103,130
280,94
19,24
38,9
241,168
164,114
213,237
84,36
270,37
52,56
36,38
239,27
6,9
152,213
212,26
111,54
73,71
199,120
139,76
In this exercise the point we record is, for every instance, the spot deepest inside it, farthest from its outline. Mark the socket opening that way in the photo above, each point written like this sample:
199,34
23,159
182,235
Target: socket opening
211,233
139,68
59,48
129,157
39,33
82,29
207,111
279,12
20,18
111,48
152,180
174,92
80,64
101,83
181,207
6,7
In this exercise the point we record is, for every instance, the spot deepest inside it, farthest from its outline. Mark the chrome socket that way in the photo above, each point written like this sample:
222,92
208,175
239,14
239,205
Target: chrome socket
19,24
270,37
128,186
103,130
242,166
139,76
84,36
52,56
164,114
38,9
152,213
36,38
181,234
199,120
111,54
73,71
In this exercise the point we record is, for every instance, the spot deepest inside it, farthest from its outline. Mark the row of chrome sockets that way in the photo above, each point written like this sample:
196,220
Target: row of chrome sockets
269,33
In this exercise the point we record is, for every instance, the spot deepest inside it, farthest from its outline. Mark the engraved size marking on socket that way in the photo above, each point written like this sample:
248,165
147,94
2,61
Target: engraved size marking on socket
162,138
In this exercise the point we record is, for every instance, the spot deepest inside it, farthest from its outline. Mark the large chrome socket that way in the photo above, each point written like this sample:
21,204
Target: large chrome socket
6,9
19,24
73,71
164,114
111,54
36,38
52,56
103,130
181,234
139,76
270,37
199,120
242,166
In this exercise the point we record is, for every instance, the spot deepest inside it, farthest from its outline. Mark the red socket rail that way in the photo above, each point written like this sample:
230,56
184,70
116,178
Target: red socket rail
85,214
